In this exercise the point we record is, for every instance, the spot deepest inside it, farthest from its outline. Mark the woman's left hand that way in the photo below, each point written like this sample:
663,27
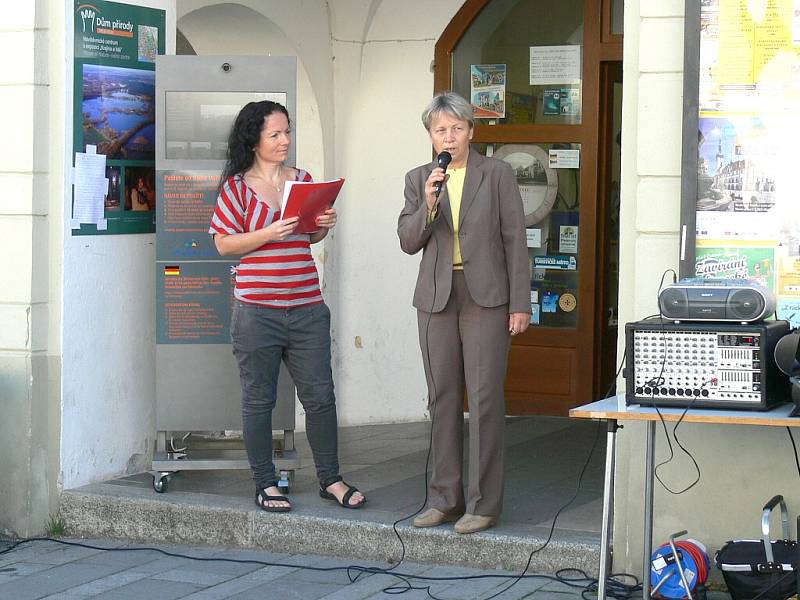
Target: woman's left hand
327,220
518,322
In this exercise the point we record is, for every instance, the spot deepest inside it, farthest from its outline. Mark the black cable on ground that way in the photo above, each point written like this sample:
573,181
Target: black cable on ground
619,588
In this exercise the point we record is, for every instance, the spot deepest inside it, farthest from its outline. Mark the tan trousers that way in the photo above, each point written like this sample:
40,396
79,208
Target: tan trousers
466,345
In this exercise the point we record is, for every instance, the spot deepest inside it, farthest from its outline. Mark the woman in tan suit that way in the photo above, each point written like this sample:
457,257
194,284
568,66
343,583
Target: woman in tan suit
472,294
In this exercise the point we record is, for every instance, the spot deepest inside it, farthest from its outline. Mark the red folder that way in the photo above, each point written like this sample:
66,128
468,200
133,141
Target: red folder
308,200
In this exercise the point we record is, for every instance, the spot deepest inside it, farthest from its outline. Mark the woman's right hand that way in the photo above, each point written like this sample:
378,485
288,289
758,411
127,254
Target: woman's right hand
430,189
280,230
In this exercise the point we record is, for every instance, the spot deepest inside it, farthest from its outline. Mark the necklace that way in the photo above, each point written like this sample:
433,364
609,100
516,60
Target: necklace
269,180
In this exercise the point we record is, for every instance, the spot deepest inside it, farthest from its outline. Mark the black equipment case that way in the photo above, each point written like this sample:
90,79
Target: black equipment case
765,569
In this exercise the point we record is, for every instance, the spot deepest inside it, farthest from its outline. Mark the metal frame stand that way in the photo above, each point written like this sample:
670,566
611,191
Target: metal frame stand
607,526
167,461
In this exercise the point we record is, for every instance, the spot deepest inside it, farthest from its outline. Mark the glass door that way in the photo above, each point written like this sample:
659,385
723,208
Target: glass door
531,68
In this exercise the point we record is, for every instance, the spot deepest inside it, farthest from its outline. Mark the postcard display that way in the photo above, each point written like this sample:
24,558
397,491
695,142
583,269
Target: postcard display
197,379
114,117
741,181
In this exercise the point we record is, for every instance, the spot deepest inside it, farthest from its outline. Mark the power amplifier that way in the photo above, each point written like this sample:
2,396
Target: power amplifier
711,365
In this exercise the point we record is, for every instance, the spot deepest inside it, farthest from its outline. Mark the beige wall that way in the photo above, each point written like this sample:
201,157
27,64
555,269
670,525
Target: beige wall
741,467
364,77
30,175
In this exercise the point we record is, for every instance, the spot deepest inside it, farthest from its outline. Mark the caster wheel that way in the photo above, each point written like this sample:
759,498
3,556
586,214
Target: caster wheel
160,483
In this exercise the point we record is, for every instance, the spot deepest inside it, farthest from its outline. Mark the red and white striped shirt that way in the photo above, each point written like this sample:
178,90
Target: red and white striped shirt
278,274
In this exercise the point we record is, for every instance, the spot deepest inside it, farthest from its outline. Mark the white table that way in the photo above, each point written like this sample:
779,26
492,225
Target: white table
611,410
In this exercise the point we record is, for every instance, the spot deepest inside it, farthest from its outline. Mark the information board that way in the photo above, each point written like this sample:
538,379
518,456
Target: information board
114,116
742,91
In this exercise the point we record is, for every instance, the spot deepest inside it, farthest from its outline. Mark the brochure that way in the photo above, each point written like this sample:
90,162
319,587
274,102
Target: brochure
308,200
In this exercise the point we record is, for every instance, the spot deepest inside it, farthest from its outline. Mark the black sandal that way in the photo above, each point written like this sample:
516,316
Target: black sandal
345,503
262,498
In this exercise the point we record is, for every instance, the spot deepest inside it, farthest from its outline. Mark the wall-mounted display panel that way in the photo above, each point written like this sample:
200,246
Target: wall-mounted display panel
740,177
114,117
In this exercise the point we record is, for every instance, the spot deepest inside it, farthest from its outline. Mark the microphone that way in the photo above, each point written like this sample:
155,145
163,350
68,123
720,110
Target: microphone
443,160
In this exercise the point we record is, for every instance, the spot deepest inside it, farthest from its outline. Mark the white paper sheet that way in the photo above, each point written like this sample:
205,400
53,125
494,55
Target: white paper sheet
91,186
551,65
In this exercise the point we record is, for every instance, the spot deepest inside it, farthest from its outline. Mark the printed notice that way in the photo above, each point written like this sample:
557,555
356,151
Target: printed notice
186,201
568,239
564,159
91,186
551,65
193,302
534,237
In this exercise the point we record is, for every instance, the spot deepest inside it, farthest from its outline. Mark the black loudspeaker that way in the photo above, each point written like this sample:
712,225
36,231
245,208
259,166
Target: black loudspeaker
787,353
731,300
787,357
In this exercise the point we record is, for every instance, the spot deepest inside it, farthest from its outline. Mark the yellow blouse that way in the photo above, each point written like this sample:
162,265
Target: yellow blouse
455,185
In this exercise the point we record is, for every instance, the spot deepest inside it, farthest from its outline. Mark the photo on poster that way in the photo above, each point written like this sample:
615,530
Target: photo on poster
119,111
140,190
112,200
736,166
147,43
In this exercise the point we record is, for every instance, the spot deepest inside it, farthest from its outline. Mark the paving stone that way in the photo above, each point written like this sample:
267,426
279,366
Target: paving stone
122,557
227,589
62,555
99,586
288,590
20,569
161,563
202,578
150,588
55,579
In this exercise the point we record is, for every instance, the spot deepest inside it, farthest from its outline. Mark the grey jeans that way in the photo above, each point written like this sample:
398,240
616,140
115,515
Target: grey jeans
300,336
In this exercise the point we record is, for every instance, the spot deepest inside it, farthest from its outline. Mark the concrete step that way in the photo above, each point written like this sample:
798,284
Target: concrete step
129,512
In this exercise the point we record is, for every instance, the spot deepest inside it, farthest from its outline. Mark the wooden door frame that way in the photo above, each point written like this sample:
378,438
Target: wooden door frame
609,73
595,51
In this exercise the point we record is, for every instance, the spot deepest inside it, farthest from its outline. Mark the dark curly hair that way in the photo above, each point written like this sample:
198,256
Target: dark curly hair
245,135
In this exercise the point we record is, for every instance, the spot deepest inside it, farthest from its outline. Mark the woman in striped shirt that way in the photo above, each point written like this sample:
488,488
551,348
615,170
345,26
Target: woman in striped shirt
279,313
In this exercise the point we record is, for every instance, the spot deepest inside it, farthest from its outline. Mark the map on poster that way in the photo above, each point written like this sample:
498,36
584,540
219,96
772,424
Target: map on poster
747,222
114,109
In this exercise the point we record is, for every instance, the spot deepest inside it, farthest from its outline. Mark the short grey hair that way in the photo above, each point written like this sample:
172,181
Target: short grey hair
450,103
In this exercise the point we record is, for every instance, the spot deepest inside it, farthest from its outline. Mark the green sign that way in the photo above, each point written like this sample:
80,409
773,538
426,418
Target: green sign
114,115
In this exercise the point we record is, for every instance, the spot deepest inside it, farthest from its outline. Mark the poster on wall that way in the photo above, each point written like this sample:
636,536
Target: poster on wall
114,113
487,91
748,101
561,101
736,262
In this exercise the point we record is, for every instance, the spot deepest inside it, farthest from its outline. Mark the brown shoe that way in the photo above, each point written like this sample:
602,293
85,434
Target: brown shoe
433,517
472,523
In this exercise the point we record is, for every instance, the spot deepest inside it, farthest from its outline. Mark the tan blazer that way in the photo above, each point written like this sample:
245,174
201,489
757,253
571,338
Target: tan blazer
491,234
